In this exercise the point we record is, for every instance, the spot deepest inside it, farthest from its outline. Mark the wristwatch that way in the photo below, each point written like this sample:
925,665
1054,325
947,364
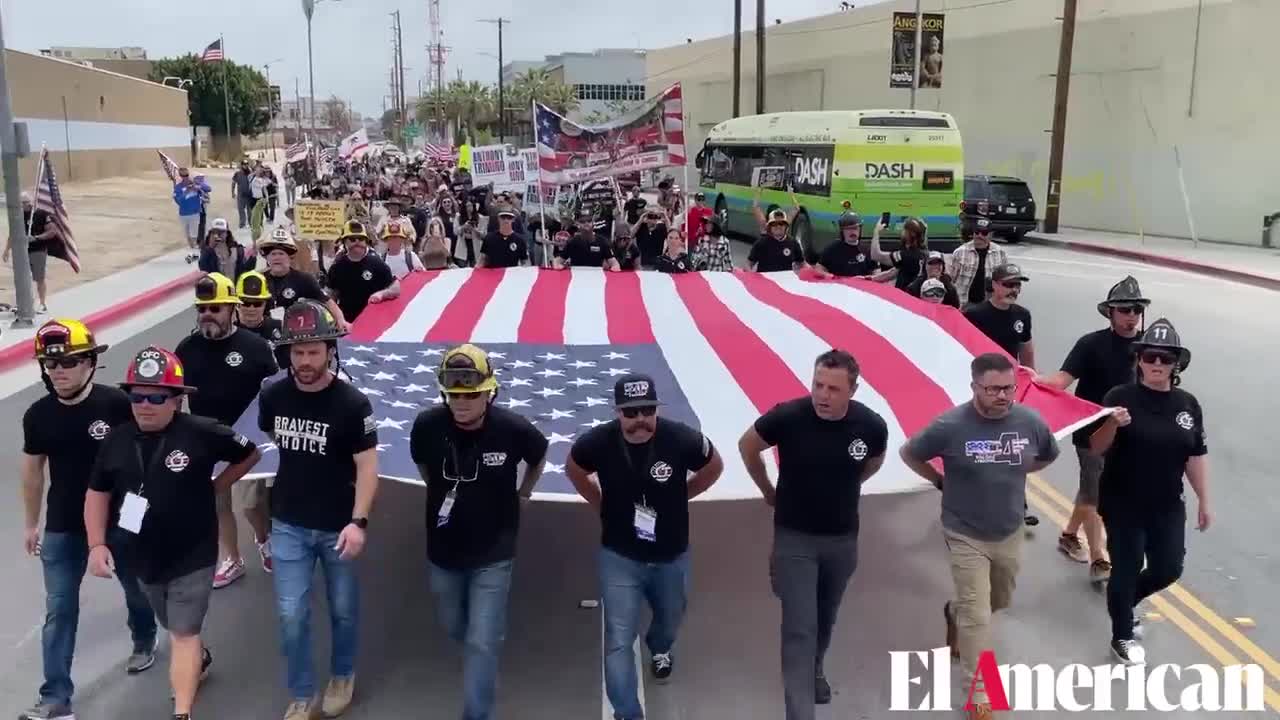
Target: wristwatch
362,523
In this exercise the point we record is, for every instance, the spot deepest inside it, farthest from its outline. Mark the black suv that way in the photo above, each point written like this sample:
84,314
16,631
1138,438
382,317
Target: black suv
1006,202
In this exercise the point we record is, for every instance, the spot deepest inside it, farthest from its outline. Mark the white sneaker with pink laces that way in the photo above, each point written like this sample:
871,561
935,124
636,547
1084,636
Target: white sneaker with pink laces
264,551
228,572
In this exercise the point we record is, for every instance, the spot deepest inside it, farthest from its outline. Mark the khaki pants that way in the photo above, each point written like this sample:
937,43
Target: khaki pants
985,574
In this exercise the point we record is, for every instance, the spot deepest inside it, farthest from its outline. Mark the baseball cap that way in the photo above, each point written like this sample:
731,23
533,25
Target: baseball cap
1008,271
506,212
933,287
984,225
219,224
635,390
936,256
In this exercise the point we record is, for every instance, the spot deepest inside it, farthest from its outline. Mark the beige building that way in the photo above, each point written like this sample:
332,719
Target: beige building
1145,101
95,123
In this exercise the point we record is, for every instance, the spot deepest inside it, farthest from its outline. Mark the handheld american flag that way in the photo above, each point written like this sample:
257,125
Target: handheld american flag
723,348
49,199
169,166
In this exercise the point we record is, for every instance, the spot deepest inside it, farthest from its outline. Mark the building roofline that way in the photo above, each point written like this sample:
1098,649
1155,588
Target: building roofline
81,65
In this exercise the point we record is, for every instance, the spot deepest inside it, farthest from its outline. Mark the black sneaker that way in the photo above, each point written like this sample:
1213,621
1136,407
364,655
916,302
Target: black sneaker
821,691
1129,652
206,661
48,711
661,666
183,716
142,658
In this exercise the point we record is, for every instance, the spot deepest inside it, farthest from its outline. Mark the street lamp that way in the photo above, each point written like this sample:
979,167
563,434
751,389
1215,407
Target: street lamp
308,9
502,114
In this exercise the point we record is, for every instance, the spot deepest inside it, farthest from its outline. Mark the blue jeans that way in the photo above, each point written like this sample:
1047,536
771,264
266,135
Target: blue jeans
625,585
65,557
472,606
295,551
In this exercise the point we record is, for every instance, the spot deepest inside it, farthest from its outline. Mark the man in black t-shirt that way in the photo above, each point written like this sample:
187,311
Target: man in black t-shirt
828,445
64,430
847,258
935,268
647,469
776,250
634,206
1099,361
228,367
327,438
252,313
287,284
504,247
1002,319
586,249
360,278
468,454
650,234
152,479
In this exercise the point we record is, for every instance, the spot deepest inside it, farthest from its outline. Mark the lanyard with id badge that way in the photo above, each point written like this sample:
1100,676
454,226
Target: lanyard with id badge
446,507
133,509
645,519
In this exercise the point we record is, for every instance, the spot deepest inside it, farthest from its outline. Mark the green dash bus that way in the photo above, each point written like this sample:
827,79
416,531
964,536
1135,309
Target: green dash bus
907,163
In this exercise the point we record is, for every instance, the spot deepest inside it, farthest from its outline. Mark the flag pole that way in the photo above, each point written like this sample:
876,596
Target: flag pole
542,206
226,92
36,192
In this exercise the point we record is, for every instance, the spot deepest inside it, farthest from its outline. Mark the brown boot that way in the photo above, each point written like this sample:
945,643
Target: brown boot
951,630
337,696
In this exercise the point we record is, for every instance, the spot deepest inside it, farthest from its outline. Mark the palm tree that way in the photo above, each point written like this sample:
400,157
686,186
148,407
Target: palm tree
537,85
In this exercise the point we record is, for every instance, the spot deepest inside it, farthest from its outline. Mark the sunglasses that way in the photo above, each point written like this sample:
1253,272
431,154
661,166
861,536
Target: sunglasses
208,309
155,398
633,413
1128,309
1015,285
65,363
253,303
464,395
934,294
1159,358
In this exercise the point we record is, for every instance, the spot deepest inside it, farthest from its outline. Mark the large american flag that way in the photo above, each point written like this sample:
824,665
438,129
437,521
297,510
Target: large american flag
49,199
213,53
722,347
169,166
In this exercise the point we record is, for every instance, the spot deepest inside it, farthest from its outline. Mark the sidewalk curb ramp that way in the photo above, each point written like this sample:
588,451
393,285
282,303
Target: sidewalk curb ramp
1263,281
17,353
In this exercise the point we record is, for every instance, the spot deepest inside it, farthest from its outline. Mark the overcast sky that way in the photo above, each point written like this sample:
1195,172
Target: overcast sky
352,38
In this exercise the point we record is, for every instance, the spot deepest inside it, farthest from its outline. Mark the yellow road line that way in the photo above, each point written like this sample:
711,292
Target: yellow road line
1268,664
1170,611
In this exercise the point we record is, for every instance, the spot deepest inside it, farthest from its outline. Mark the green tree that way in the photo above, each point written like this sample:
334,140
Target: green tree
334,113
247,93
537,85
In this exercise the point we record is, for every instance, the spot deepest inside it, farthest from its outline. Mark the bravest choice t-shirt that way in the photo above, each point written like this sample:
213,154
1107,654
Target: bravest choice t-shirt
227,373
1146,463
821,463
317,435
479,467
173,471
653,475
70,436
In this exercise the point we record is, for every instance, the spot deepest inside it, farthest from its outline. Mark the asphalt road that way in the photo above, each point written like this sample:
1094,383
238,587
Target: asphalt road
727,656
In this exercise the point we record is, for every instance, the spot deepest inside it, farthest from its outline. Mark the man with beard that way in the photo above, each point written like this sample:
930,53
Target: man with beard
154,477
288,284
1100,360
987,446
252,313
65,430
468,453
972,263
1002,319
358,277
586,249
647,470
327,438
847,258
228,367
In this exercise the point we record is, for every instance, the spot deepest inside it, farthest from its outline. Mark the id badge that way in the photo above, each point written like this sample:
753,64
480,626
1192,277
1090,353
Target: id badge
646,523
132,510
446,507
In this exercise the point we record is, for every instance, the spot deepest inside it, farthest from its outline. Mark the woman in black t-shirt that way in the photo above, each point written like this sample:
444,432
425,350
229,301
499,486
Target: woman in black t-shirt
907,262
1154,436
674,258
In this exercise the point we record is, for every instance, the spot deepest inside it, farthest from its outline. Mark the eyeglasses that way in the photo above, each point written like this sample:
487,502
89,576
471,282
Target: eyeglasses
934,294
155,398
634,412
998,390
66,363
1161,358
1128,309
460,477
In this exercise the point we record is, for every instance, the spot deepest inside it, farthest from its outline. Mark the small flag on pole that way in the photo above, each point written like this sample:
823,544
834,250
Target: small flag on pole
169,166
213,53
296,152
49,199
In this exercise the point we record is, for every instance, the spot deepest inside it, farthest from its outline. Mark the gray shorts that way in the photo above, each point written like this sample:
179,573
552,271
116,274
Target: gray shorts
181,604
39,261
1090,474
250,493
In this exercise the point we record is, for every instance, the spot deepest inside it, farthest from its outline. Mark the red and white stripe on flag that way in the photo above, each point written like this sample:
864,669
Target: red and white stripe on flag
49,199
213,53
440,152
737,343
169,166
296,152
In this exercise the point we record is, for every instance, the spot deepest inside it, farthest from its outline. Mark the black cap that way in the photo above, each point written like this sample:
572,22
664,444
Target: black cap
1008,271
635,391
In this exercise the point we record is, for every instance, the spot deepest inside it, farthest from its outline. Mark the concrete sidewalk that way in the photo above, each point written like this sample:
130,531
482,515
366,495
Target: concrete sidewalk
1252,265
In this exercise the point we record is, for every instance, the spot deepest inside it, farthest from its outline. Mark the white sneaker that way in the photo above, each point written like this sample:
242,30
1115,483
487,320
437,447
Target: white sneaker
1128,652
228,572
264,552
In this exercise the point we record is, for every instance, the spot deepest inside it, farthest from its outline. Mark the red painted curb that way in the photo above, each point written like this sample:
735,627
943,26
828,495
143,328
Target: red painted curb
1266,282
98,321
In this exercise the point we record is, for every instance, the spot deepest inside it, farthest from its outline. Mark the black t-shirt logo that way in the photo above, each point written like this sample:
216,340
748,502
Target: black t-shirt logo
513,247
98,429
661,471
858,449
680,264
177,461
289,293
495,459
1017,326
234,359
786,252
860,258
366,275
1185,421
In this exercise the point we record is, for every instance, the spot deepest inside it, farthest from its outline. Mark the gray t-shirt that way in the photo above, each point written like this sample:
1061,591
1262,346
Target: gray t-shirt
985,465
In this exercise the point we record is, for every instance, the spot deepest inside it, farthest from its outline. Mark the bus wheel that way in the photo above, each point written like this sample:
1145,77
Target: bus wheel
802,231
722,214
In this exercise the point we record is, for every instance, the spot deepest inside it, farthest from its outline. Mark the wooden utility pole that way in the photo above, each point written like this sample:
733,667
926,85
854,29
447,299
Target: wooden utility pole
760,73
1053,199
737,58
